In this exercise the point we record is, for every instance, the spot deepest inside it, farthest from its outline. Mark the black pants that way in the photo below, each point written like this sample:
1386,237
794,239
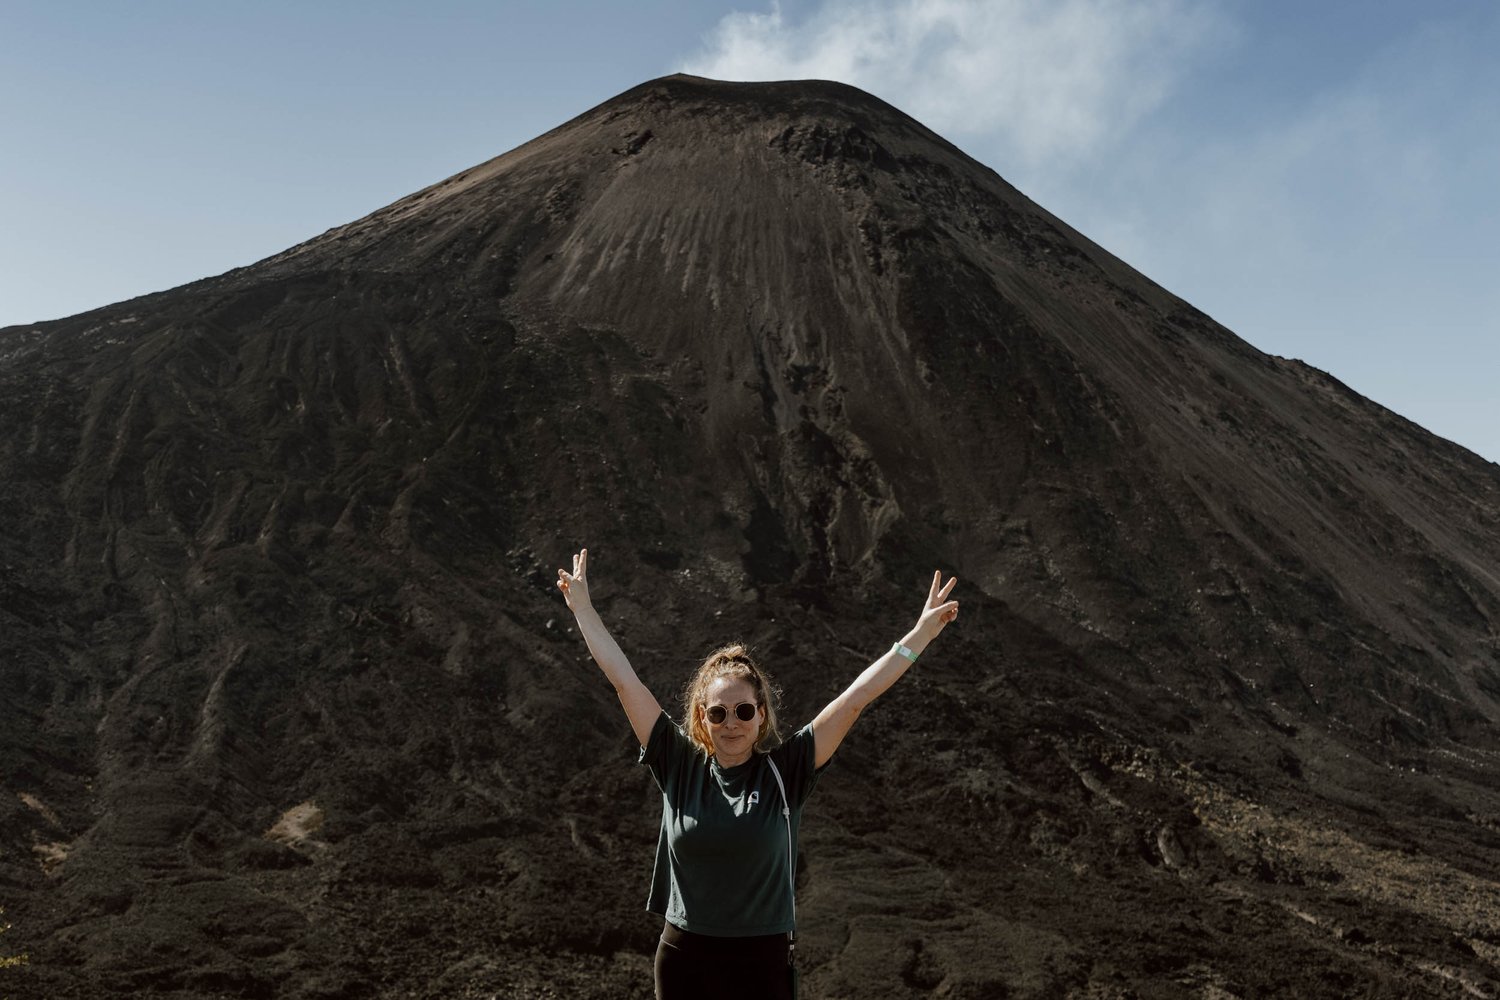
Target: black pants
696,966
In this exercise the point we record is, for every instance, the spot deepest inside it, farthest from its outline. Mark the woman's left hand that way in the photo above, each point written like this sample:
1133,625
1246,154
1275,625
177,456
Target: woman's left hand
939,611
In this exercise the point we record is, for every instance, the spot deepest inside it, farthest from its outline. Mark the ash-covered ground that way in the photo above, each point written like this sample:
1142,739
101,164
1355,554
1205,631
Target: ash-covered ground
292,709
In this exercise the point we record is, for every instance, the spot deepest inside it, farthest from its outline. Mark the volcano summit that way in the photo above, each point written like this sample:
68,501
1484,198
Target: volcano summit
292,708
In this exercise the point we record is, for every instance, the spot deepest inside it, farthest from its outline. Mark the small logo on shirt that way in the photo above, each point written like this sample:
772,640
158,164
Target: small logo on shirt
754,798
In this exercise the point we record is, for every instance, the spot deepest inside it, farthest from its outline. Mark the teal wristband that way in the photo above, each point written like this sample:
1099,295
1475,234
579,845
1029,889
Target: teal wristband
898,648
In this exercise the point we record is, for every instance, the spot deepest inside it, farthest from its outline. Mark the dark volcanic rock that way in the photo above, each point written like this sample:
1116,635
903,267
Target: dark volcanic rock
292,709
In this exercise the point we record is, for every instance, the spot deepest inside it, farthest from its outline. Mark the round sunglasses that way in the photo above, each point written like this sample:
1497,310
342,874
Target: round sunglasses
744,711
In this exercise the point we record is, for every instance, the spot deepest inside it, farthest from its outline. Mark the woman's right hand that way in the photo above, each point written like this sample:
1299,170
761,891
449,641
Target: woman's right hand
575,585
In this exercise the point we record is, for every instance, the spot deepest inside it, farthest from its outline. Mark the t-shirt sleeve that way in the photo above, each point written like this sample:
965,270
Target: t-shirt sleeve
665,750
796,757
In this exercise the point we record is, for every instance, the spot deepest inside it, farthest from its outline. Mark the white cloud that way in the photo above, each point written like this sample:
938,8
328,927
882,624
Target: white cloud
1048,81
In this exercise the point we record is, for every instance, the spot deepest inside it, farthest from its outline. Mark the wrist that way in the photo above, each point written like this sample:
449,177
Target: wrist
925,630
916,640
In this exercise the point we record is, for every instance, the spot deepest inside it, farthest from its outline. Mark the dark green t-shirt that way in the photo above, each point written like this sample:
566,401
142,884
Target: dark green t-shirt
721,860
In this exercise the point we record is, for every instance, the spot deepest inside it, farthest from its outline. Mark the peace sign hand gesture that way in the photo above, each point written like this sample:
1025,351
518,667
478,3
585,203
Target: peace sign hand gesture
575,585
938,611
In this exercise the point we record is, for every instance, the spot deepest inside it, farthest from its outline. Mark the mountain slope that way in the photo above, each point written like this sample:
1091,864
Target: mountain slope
298,712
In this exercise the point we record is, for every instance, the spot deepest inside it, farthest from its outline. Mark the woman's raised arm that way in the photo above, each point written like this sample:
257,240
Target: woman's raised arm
832,724
641,706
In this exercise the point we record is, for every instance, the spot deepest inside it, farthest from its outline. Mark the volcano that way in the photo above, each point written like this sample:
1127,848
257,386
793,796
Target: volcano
292,709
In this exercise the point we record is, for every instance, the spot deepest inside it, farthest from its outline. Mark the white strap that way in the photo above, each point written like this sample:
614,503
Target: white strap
791,869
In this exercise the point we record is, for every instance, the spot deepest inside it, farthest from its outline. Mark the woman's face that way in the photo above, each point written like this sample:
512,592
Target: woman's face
734,738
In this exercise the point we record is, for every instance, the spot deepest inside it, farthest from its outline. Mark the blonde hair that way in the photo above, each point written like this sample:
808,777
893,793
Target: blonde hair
732,661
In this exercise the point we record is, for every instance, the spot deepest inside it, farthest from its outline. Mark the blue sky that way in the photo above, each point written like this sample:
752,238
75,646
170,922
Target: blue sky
1320,177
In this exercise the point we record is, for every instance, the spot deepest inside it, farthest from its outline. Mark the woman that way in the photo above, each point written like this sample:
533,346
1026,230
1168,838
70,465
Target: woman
732,799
